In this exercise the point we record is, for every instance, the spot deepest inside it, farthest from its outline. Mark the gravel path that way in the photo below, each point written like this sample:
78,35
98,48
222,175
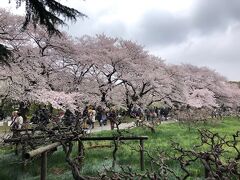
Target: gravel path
107,127
100,128
122,126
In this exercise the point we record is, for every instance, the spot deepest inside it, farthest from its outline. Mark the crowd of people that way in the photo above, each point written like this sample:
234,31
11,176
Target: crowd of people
92,114
151,114
87,118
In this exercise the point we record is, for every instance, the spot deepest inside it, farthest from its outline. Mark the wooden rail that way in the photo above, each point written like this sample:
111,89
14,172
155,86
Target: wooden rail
41,150
113,138
36,129
23,138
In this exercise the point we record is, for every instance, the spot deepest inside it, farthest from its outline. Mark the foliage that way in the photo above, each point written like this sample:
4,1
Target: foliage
38,12
67,72
47,13
127,155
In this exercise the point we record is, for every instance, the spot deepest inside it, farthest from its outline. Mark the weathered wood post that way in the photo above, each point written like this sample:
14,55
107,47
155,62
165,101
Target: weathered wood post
207,170
24,148
80,152
80,148
142,154
43,151
43,175
16,148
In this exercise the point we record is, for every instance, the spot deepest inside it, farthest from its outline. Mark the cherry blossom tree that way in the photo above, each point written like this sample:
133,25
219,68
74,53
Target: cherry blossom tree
100,69
205,87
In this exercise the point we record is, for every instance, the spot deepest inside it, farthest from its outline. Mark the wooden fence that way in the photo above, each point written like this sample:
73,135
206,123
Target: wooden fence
43,151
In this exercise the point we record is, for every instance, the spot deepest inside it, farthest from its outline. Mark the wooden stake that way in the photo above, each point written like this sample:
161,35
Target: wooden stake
43,175
141,154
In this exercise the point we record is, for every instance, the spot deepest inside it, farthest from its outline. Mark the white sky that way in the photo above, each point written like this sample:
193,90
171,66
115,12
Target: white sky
200,32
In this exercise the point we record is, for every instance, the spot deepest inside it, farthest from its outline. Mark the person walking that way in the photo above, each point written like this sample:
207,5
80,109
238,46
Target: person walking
99,116
112,118
93,117
104,117
17,120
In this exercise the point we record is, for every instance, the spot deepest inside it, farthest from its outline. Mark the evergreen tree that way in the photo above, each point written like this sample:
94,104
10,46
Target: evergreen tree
46,13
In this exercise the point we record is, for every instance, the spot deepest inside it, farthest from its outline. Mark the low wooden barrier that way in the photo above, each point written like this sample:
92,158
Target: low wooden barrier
23,138
43,151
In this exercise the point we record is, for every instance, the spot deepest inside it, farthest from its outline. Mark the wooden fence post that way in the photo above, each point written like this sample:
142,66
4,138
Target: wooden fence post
141,154
80,148
43,175
16,148
80,152
44,150
24,147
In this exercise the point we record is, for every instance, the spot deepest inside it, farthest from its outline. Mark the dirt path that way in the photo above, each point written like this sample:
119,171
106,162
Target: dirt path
107,127
122,126
97,128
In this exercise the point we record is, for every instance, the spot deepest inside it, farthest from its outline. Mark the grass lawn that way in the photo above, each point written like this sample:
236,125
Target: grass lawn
4,128
98,158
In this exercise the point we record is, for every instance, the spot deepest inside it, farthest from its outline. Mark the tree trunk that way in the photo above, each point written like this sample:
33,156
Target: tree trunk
23,110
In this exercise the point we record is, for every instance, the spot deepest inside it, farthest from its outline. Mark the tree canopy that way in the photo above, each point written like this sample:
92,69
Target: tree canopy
67,72
47,13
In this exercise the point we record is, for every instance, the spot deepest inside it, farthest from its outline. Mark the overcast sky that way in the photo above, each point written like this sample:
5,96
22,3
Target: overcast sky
200,32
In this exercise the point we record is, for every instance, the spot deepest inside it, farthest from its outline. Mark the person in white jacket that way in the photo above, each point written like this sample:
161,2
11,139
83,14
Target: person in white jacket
17,120
92,116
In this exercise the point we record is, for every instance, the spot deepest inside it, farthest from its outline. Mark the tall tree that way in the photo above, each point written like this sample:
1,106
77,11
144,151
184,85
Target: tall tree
47,13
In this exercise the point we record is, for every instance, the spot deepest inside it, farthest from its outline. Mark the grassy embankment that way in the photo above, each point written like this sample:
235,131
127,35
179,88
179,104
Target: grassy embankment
97,158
